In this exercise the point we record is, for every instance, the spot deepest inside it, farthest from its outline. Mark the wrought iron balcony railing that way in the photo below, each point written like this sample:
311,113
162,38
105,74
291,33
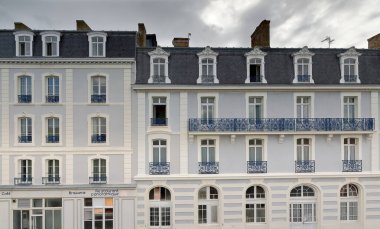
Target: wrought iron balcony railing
256,79
52,99
158,121
207,78
25,139
350,78
352,165
303,78
98,98
98,138
52,138
23,180
51,180
158,79
159,168
256,166
280,124
208,167
98,180
24,98
305,166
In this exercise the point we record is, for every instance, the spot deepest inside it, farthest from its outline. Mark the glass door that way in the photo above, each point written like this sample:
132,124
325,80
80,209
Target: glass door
37,222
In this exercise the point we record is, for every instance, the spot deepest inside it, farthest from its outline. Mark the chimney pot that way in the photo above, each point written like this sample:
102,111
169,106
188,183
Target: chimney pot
141,35
82,26
180,42
261,36
21,26
374,42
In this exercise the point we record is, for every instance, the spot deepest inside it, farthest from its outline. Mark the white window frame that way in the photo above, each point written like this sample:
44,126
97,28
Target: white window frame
256,53
265,145
216,102
17,166
159,53
89,87
312,146
89,124
44,35
160,204
256,201
358,103
207,53
350,199
153,137
45,129
19,34
45,165
358,148
17,86
96,34
209,202
45,89
216,139
90,165
304,200
304,53
17,127
150,102
264,102
350,53
311,95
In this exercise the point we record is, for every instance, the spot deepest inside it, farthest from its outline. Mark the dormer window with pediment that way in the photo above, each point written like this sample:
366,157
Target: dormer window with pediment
349,66
159,59
24,43
50,43
97,44
255,66
207,66
303,67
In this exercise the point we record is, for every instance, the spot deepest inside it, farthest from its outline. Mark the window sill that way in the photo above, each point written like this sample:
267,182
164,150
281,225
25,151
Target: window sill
52,104
25,144
98,104
155,129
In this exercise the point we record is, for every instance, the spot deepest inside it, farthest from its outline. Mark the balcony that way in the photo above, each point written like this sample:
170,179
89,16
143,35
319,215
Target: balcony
98,98
352,165
350,78
256,79
98,138
303,78
52,99
159,79
207,78
305,166
52,139
24,98
159,168
208,167
280,124
98,180
51,180
158,121
25,139
23,180
256,166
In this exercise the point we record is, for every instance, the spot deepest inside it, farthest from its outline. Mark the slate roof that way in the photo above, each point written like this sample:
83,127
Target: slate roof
74,44
279,68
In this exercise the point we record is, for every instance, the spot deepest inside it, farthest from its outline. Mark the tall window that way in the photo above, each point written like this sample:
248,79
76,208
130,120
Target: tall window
349,199
25,171
52,89
350,107
159,207
159,111
302,207
303,149
24,46
159,71
303,107
350,149
208,150
207,70
98,213
349,70
99,130
303,73
255,205
99,171
208,204
52,174
255,70
52,130
51,46
24,89
255,150
255,107
99,89
159,151
25,134
97,46
207,110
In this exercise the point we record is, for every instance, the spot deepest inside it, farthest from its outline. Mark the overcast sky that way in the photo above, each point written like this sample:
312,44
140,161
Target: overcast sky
218,23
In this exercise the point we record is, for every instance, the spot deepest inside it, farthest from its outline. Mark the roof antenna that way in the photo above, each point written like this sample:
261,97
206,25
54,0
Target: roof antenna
329,40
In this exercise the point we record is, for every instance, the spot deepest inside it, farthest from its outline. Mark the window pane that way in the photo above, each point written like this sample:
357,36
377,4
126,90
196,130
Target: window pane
214,214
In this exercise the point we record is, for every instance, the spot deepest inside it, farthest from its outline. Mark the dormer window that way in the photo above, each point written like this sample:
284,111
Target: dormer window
50,43
349,64
159,66
255,66
24,43
97,44
207,66
303,66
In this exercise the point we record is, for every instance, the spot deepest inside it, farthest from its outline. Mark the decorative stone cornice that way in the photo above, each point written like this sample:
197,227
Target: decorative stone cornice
158,52
255,52
207,52
304,52
66,61
351,52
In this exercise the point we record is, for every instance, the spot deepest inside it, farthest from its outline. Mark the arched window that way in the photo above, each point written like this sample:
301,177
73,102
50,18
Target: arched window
52,89
302,207
24,89
208,204
159,207
99,89
349,202
255,204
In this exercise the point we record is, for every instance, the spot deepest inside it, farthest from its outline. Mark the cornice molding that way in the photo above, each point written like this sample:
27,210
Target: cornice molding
207,52
351,52
67,61
304,52
158,52
255,52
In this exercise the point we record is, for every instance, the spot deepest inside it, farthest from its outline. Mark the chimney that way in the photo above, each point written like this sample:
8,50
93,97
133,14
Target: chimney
21,26
180,42
141,35
82,26
374,42
261,36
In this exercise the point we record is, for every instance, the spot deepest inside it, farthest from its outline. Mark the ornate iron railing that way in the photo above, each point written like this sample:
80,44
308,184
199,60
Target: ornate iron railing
52,99
52,138
25,139
350,78
256,166
159,168
24,98
98,98
307,166
303,78
51,180
208,167
98,180
207,78
352,165
23,180
158,79
158,121
281,124
98,138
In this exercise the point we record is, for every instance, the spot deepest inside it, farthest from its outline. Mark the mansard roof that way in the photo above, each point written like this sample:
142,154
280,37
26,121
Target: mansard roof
73,44
279,67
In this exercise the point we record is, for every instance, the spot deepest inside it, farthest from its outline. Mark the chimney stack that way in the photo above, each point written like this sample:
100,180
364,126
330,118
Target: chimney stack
180,42
21,26
141,35
374,42
261,36
82,26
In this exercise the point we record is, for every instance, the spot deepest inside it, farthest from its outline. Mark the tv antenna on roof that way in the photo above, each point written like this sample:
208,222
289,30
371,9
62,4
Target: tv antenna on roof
329,40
